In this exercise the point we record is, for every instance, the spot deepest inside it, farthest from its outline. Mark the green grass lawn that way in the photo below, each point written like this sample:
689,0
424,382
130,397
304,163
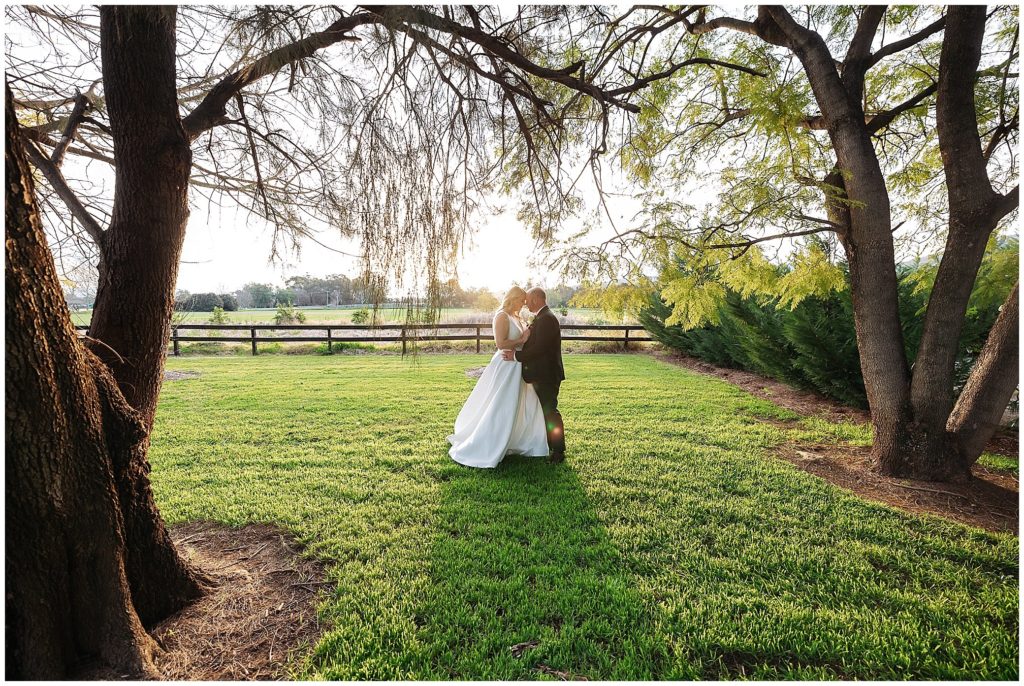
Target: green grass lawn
669,546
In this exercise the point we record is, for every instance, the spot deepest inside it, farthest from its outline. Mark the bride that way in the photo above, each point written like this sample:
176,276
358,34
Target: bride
503,414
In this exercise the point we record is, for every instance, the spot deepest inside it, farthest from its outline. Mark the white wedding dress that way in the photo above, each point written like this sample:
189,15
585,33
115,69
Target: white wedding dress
502,416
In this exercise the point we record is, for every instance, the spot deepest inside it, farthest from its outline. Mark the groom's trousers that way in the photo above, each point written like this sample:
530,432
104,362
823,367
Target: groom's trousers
547,392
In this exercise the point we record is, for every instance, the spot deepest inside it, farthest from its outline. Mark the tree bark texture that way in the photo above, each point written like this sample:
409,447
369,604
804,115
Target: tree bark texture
139,258
67,425
971,222
988,390
914,432
90,562
867,240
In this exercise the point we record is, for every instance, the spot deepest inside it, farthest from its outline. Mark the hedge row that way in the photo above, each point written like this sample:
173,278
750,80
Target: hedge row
813,346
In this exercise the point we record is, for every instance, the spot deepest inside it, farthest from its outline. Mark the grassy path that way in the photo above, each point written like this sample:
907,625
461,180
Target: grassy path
668,547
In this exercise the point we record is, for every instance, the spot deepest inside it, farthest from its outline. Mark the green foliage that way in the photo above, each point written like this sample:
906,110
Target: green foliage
260,294
824,344
287,314
361,316
670,546
812,275
219,317
230,302
695,301
342,346
202,302
809,340
284,296
616,300
485,301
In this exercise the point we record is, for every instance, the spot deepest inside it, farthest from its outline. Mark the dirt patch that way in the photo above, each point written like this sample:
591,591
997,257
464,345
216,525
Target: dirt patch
808,403
260,618
179,376
1005,442
804,403
475,372
989,500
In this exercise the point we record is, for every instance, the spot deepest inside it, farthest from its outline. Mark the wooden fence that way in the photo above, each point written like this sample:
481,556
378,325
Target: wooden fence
399,333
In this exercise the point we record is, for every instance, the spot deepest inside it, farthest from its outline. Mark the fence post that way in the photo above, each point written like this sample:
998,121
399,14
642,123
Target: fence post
253,332
625,341
403,340
174,340
330,349
478,339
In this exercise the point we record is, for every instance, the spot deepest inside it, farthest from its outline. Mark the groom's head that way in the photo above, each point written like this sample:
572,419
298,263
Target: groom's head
536,299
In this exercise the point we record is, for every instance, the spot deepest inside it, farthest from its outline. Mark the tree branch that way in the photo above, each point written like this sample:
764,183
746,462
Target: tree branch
252,149
496,47
855,64
724,23
1004,204
787,234
907,42
76,118
883,119
642,83
60,186
211,111
956,114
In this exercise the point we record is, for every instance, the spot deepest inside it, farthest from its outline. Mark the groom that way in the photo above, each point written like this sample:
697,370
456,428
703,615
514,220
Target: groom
542,366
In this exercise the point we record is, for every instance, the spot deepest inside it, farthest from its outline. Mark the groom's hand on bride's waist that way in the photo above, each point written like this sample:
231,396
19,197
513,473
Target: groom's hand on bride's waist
508,355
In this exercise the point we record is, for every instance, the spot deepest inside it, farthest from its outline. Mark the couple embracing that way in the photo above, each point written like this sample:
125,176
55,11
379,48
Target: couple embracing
514,407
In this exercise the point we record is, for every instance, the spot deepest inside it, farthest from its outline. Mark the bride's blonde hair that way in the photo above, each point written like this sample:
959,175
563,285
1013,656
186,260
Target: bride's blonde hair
514,293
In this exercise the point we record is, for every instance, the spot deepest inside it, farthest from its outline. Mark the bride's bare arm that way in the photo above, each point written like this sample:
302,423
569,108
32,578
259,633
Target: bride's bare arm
501,329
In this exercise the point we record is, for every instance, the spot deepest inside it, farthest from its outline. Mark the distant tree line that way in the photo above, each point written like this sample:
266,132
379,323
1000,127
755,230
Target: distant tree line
338,289
298,291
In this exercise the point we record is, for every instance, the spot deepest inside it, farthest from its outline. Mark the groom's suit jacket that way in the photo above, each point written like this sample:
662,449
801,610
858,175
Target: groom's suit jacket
542,353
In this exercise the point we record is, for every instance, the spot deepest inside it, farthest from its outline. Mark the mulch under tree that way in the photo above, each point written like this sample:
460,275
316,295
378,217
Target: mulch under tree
258,622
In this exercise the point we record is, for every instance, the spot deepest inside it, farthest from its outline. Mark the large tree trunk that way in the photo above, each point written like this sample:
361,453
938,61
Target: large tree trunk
90,562
866,238
138,271
972,219
67,428
991,385
910,413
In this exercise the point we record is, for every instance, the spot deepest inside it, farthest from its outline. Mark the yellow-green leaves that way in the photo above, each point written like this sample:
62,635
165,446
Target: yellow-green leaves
694,302
749,274
696,288
812,274
616,299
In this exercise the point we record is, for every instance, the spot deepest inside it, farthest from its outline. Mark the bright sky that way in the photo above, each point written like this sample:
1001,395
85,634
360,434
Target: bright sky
224,250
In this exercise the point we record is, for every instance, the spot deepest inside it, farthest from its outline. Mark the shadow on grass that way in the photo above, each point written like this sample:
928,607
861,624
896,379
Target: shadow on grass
520,557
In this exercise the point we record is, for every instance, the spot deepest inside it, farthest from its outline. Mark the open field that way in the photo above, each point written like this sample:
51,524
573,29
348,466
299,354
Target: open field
343,315
669,546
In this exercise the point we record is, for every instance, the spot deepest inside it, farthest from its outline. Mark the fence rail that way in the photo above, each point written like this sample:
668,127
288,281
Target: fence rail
406,334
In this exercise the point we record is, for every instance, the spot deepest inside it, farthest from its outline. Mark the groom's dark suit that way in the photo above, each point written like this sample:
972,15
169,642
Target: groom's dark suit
542,366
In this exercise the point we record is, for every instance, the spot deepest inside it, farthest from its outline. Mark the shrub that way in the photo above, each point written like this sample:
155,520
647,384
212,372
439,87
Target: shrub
361,316
287,314
341,346
813,345
218,316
